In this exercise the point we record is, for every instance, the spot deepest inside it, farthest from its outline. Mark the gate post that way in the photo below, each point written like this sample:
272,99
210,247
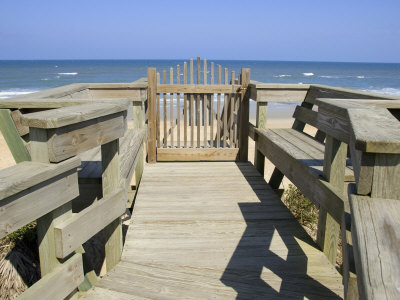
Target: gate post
244,117
151,96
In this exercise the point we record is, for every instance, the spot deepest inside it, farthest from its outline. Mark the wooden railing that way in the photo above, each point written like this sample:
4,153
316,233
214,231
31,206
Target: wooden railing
45,188
368,217
208,108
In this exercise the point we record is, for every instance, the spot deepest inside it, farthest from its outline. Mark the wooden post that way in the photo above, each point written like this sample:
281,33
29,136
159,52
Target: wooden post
46,224
111,182
151,96
261,122
244,117
12,137
138,123
334,171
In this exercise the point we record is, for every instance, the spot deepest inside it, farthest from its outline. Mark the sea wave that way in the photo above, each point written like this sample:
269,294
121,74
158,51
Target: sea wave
387,90
360,76
14,92
70,74
308,74
282,76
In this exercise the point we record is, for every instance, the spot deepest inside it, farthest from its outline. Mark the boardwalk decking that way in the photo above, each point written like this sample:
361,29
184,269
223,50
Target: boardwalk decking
215,231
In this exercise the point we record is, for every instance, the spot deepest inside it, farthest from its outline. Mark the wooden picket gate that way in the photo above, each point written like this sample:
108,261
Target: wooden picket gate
198,122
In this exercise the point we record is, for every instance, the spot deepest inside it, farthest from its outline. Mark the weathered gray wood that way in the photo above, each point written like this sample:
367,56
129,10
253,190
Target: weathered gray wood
185,107
197,154
178,109
334,173
244,117
71,140
138,124
110,183
295,164
241,245
60,117
375,224
16,117
34,198
334,124
305,115
12,137
375,130
59,283
261,122
25,175
386,174
197,88
152,88
69,234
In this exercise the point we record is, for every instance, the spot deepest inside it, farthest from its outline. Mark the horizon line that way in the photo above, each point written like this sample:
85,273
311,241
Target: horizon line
215,59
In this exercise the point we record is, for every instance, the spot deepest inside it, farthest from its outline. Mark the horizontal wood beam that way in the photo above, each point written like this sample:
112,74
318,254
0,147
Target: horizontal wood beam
197,154
197,88
61,117
71,140
69,234
59,283
36,201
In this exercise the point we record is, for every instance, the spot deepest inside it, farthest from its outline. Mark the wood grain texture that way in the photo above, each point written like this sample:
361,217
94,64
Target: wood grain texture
71,140
60,117
197,154
375,224
24,175
297,165
244,117
261,122
59,283
110,183
69,234
36,200
152,92
188,243
12,137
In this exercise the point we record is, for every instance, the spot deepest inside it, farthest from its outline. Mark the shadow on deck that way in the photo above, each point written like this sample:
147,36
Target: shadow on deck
215,230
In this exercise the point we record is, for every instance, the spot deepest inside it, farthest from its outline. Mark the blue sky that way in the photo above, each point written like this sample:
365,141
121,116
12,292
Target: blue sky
352,30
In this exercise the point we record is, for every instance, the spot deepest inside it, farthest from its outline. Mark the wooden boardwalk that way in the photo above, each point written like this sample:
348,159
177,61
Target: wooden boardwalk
215,231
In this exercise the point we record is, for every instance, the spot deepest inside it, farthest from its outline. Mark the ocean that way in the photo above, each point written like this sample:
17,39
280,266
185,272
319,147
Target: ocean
26,76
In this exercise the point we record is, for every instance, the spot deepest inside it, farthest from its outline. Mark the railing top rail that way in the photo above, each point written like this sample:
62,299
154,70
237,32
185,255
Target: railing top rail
73,114
46,103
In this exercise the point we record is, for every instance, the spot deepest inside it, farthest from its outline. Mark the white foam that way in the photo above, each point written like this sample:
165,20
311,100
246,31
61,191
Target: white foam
388,91
360,76
308,74
13,93
329,76
68,74
282,76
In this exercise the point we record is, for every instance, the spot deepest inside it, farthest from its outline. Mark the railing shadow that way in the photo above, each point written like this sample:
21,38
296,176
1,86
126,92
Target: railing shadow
258,270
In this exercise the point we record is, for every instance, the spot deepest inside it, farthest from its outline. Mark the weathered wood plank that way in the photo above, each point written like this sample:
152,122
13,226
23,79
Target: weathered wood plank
374,230
197,154
11,135
60,117
110,183
71,140
197,88
69,234
14,209
261,122
59,283
244,117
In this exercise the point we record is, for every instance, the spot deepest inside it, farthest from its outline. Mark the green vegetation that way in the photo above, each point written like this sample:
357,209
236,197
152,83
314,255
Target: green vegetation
302,208
19,261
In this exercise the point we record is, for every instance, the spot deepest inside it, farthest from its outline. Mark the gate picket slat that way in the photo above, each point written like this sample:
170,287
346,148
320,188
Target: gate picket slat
185,106
219,110
178,108
231,108
191,107
158,105
165,110
171,106
212,116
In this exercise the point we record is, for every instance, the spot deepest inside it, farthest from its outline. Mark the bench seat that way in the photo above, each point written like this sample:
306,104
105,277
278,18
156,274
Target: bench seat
303,148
